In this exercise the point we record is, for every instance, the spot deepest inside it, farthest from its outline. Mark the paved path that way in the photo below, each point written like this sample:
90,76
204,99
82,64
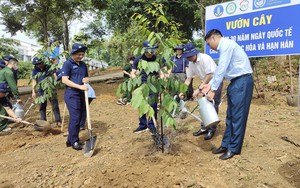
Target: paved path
94,79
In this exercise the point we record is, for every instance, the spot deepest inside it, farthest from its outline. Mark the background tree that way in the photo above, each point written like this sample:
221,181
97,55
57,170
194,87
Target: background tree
7,47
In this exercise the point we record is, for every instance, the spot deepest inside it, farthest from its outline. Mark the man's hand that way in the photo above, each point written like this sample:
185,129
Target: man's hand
83,87
85,80
196,93
181,95
210,95
205,88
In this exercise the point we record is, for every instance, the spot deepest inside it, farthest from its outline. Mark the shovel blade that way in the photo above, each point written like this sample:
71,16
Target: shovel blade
90,146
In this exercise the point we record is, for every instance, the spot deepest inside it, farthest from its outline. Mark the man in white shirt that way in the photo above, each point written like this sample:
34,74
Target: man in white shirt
234,65
203,66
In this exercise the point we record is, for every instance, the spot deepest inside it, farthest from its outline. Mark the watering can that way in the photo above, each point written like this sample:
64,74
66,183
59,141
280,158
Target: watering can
208,112
18,110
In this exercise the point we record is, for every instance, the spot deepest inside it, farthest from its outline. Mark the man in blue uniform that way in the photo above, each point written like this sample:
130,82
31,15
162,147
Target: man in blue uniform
75,75
39,73
150,57
234,65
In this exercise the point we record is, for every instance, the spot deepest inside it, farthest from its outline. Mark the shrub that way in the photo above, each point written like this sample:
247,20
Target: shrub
24,69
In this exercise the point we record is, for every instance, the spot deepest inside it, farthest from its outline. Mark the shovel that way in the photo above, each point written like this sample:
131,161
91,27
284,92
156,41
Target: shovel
90,143
39,125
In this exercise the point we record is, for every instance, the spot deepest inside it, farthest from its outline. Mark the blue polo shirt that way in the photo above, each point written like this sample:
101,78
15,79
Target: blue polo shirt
143,73
180,64
44,73
75,72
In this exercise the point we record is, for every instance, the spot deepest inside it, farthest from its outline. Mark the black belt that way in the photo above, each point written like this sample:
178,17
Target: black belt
240,77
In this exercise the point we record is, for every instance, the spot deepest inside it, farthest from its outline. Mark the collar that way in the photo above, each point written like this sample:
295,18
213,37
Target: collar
198,59
220,43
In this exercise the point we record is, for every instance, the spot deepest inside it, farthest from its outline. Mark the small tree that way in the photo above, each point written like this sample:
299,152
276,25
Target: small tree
159,31
49,85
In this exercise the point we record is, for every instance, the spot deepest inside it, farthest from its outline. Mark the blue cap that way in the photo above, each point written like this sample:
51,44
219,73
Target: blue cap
148,47
58,75
179,47
7,58
77,47
189,50
2,64
37,60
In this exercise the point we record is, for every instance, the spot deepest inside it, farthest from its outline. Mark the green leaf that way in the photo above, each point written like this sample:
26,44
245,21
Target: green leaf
176,85
152,87
151,112
124,86
136,100
129,85
136,51
150,36
144,107
139,82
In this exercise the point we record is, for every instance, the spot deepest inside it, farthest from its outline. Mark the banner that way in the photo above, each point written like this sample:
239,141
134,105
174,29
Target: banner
260,27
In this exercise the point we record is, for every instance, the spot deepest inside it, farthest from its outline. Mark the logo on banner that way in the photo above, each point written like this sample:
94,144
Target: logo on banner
231,8
218,11
244,5
259,3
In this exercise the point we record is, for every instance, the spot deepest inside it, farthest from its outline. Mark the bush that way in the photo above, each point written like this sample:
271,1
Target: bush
24,69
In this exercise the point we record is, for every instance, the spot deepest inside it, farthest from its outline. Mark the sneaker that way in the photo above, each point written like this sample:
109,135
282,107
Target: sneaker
140,130
119,103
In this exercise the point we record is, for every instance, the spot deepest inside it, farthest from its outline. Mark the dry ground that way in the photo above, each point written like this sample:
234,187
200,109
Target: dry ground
270,156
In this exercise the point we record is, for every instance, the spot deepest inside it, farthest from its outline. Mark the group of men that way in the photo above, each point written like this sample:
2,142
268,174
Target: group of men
70,74
233,65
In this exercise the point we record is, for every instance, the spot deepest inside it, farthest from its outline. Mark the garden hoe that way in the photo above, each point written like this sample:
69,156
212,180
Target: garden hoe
90,143
39,125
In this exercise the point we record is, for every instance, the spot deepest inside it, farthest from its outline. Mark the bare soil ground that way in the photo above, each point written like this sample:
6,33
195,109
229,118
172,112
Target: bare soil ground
270,157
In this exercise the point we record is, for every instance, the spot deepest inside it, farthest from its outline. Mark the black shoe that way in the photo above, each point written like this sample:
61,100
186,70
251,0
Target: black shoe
140,130
219,150
68,144
200,132
210,134
229,154
77,146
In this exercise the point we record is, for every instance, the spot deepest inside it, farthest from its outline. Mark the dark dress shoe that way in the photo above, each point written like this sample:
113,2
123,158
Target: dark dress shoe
209,135
200,132
219,150
77,146
229,154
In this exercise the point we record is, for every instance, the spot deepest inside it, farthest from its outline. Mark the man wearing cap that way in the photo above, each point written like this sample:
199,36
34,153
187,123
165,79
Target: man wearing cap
39,73
8,84
203,66
150,57
234,65
75,76
179,70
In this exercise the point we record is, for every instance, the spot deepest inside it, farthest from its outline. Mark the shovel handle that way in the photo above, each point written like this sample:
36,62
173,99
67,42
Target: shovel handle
13,119
87,109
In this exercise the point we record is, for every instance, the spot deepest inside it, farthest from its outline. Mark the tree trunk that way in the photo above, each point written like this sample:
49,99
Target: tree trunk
66,39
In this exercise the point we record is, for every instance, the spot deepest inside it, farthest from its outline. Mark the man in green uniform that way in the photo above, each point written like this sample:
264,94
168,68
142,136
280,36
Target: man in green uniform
7,84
